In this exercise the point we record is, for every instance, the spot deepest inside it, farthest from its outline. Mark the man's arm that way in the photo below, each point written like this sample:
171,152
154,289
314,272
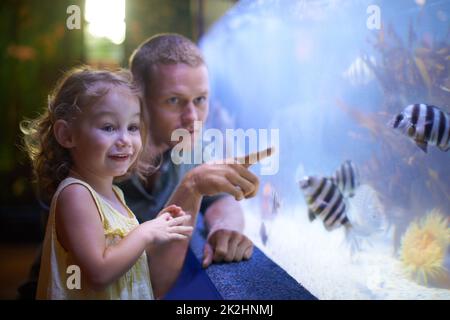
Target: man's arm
215,217
224,220
167,260
209,179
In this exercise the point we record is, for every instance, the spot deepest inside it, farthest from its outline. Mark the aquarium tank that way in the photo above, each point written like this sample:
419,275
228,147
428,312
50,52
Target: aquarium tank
357,96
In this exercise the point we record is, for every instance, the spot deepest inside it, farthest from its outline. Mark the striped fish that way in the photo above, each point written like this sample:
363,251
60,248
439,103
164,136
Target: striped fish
347,178
425,124
325,201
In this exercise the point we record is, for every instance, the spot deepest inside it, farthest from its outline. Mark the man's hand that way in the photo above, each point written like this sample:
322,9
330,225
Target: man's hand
211,178
230,176
225,223
224,218
226,245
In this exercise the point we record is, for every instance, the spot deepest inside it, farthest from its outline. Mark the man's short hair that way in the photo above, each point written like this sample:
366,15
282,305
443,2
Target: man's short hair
166,48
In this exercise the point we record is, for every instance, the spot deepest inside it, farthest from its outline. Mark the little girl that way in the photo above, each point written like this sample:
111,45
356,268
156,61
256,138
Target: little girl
94,248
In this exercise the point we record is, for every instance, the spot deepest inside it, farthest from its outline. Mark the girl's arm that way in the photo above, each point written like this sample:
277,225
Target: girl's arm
80,231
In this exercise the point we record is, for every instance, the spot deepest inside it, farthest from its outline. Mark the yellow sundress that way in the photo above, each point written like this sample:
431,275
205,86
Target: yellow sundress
58,267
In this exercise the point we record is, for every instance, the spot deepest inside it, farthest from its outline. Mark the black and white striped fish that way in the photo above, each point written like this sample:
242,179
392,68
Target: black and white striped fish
425,124
325,201
347,178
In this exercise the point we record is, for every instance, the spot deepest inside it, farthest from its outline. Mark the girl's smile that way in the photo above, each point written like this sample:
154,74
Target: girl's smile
107,135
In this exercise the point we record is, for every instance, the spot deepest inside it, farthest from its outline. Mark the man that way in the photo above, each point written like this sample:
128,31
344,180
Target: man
174,81
173,78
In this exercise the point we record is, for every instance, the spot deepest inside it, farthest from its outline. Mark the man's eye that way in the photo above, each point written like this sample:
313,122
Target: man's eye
173,100
133,128
108,128
200,100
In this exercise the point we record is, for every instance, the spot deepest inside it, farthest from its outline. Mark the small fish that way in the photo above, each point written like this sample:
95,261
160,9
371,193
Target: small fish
410,160
325,201
359,73
366,211
445,88
346,178
425,124
263,233
276,204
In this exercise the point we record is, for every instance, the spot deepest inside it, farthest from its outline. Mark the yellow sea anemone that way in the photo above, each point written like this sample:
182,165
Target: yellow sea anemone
424,246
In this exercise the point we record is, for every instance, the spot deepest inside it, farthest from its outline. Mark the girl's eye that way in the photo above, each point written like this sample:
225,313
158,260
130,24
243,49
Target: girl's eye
108,128
133,128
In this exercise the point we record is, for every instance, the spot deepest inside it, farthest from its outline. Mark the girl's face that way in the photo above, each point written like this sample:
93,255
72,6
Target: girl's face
107,135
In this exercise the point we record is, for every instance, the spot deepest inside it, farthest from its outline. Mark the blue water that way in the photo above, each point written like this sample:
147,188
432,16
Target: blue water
281,64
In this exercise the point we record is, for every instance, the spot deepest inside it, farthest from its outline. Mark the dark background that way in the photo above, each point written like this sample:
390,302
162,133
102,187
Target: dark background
36,48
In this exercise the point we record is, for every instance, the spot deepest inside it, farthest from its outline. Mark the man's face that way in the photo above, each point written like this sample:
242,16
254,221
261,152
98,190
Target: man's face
177,98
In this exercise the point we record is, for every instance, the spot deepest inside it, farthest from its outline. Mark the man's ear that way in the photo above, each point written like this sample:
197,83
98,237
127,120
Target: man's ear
63,133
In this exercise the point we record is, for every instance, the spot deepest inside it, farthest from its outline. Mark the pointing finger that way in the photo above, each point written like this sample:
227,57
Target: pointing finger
254,157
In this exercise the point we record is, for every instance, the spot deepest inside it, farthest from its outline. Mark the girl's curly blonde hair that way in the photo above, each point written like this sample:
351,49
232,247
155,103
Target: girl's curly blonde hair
76,90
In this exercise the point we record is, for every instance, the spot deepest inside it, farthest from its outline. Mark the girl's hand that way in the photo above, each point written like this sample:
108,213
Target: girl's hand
175,211
165,228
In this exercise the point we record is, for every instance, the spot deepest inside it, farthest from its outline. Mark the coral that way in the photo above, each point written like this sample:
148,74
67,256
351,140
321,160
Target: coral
424,246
